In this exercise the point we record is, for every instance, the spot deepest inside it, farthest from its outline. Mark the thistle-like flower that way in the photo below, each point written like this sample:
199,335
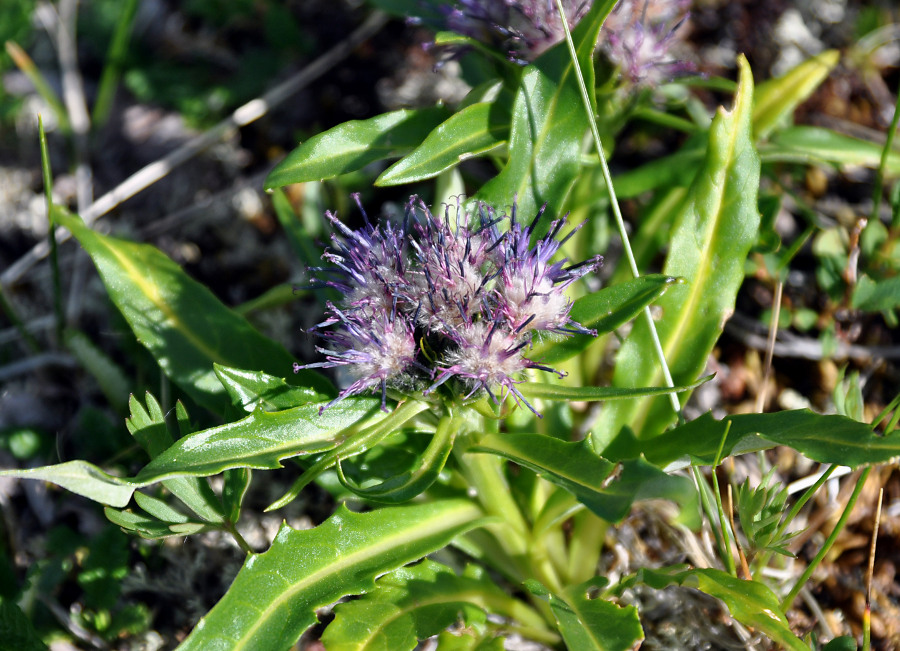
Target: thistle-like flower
641,37
524,28
444,298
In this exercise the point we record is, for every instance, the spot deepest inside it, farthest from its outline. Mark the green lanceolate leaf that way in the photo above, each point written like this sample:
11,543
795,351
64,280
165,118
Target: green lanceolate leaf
259,441
826,439
251,390
179,321
603,311
710,241
750,602
262,439
546,391
473,131
589,623
275,595
417,479
81,478
803,144
413,603
606,488
353,145
776,99
548,125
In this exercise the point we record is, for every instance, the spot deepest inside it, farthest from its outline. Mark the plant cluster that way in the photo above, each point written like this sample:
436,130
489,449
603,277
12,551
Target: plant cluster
482,412
447,296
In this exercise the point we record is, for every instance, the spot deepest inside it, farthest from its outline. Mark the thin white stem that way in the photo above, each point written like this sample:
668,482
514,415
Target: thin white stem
617,213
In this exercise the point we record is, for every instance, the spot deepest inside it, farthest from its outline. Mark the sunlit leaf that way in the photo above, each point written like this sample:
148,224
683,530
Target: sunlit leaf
472,131
251,390
822,438
260,440
710,241
751,603
413,603
548,125
547,391
776,99
590,623
352,145
275,595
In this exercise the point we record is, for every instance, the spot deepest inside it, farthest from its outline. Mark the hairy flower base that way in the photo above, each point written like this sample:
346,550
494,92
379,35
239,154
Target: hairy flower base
447,297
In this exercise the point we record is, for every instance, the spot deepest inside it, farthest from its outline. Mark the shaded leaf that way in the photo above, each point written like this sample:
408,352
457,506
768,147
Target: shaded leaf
275,595
16,631
877,295
803,144
149,429
151,528
413,603
416,480
607,489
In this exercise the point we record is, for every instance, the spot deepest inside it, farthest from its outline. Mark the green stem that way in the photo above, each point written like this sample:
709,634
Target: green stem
617,213
51,233
882,166
238,538
109,78
360,442
807,573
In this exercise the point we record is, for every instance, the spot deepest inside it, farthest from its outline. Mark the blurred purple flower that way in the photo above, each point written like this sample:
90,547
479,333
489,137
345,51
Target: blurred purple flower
524,28
641,35
452,290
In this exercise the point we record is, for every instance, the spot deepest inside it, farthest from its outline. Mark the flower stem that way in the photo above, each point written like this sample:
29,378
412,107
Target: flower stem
617,213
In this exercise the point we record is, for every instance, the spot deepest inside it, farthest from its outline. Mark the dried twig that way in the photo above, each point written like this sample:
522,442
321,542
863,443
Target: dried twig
747,331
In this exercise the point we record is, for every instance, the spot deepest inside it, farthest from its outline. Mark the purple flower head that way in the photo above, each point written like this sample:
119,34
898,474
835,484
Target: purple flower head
531,289
524,28
455,264
368,264
374,348
642,34
445,296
